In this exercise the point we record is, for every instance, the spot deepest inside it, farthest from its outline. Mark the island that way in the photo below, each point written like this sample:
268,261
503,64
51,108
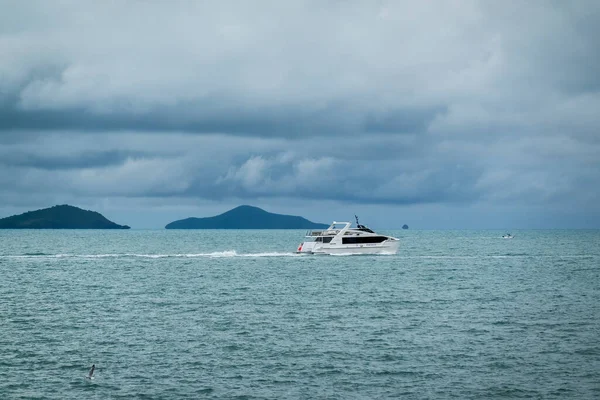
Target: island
59,217
246,217
404,226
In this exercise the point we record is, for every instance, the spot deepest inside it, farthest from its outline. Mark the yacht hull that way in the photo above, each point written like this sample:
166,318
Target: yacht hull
387,247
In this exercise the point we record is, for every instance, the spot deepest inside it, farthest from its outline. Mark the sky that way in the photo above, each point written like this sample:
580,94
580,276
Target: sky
451,114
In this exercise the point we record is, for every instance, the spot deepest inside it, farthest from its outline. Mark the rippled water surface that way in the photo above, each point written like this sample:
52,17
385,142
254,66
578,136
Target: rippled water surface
236,314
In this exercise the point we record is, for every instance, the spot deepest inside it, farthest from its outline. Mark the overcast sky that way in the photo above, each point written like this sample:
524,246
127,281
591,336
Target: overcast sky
438,114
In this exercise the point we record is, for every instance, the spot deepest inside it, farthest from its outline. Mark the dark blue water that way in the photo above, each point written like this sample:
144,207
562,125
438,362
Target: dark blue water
236,314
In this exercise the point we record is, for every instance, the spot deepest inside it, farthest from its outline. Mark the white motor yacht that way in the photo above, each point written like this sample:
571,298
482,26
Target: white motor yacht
341,238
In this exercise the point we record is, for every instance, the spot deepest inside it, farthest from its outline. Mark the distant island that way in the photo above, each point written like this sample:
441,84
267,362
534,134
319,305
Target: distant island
59,217
404,226
246,217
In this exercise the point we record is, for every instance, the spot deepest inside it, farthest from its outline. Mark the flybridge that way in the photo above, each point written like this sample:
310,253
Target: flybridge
332,230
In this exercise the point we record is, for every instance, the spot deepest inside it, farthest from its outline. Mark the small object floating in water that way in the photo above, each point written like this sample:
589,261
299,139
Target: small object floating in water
91,374
507,236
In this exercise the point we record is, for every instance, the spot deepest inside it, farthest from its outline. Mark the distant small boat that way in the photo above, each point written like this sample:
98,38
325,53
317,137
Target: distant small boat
507,236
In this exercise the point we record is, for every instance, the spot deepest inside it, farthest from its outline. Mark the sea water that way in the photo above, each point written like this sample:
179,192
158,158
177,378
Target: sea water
237,314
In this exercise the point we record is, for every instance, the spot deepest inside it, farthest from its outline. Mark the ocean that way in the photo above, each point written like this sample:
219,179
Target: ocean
170,314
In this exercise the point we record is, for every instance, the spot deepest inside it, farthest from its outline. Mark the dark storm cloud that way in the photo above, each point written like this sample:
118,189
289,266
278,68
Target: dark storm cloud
217,114
407,120
86,159
295,69
183,118
464,102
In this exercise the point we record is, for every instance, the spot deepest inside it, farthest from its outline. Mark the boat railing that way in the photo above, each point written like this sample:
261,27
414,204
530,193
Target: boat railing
326,232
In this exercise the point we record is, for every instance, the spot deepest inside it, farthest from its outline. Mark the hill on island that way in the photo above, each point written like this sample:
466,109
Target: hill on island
59,217
246,217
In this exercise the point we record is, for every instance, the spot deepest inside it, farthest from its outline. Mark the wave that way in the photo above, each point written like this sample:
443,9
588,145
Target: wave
459,257
353,254
215,254
233,253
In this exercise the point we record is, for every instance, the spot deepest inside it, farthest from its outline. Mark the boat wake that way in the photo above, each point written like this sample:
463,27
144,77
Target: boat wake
215,254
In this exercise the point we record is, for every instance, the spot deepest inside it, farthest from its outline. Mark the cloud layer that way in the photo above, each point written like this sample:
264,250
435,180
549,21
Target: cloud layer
390,104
